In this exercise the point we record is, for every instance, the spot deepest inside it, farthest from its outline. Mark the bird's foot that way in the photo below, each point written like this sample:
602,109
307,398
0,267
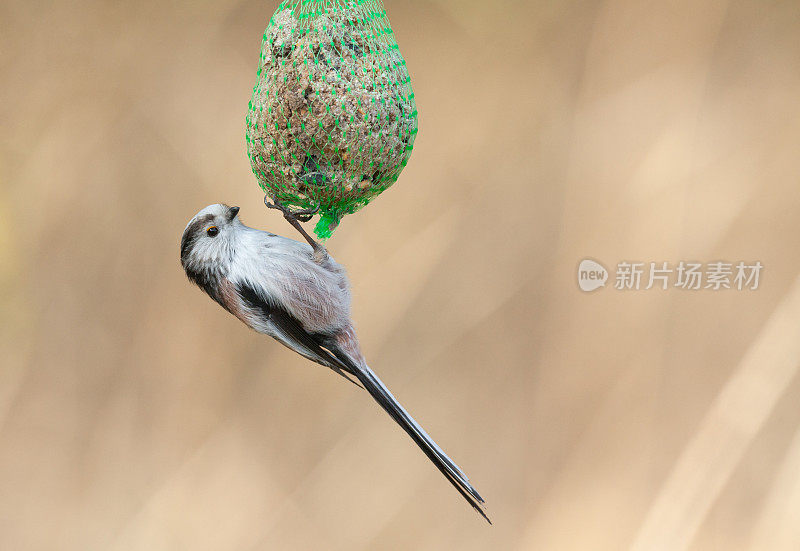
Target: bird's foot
300,215
294,218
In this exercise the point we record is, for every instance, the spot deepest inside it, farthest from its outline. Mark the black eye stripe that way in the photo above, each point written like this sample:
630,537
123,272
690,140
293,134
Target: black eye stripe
192,234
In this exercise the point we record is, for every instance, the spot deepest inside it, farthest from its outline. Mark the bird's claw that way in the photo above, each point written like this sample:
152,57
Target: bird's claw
294,218
300,215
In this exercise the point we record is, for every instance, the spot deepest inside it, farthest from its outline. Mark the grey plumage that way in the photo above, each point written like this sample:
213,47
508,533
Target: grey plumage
301,297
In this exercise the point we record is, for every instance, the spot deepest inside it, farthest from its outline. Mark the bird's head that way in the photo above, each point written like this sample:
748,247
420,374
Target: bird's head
209,238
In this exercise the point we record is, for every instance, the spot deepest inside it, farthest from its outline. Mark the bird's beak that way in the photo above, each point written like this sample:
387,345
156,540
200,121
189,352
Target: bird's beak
232,213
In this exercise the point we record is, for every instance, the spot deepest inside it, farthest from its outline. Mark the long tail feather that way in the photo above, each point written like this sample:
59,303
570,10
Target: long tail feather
450,470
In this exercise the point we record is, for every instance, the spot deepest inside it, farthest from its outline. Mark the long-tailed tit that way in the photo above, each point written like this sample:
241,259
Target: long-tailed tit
297,294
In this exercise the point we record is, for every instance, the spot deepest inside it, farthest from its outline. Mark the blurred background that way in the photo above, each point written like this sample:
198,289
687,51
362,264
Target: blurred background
136,415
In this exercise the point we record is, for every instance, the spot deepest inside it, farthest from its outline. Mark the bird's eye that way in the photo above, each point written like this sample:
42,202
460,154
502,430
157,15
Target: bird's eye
213,231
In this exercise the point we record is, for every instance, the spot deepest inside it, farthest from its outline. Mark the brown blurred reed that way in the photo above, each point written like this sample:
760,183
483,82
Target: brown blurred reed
135,414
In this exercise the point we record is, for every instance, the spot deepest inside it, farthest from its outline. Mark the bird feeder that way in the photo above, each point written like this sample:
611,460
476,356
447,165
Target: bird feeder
332,120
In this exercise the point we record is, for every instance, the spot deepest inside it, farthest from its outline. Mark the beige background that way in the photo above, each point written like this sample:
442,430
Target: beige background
136,415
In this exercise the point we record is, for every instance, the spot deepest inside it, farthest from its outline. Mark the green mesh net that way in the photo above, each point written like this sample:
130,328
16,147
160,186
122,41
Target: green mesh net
332,120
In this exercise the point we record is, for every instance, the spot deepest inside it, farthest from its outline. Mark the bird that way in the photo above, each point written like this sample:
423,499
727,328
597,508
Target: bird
299,295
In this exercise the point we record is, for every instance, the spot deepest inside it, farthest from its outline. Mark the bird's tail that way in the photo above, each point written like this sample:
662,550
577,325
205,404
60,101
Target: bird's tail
450,470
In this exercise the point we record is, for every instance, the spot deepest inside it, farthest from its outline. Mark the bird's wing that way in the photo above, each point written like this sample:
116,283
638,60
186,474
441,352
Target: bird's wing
291,333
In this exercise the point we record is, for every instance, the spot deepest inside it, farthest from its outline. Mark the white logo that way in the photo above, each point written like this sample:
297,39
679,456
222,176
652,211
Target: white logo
591,275
692,276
